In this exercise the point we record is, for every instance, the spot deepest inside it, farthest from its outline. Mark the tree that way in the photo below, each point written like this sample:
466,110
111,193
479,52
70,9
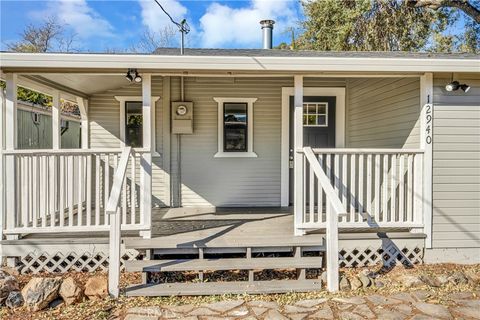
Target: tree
468,7
150,41
49,36
365,25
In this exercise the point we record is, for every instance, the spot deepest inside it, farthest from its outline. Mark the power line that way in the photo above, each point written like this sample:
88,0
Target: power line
183,26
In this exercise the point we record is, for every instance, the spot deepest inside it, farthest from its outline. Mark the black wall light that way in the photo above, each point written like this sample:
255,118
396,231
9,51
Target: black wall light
455,85
132,75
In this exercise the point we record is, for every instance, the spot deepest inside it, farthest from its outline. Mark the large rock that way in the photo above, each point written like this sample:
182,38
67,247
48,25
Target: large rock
458,278
344,284
410,281
70,291
14,300
366,281
356,283
96,288
39,292
8,284
430,280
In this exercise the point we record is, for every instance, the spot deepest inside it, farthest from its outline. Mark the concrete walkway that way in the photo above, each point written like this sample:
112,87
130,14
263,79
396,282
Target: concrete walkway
418,305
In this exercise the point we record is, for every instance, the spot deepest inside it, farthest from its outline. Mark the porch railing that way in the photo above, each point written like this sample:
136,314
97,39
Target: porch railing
378,187
67,191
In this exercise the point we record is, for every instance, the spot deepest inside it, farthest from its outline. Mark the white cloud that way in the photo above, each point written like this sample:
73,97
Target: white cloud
222,25
83,19
153,17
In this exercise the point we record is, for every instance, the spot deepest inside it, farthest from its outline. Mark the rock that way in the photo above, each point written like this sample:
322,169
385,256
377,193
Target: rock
442,279
461,295
70,291
39,292
473,276
274,315
350,316
433,310
351,300
202,311
151,310
324,313
323,277
421,295
224,306
96,288
364,311
296,309
365,280
259,310
458,278
467,312
379,284
369,274
356,283
184,308
403,308
263,304
240,312
430,281
382,301
410,281
404,297
310,303
14,299
390,315
8,283
140,317
344,284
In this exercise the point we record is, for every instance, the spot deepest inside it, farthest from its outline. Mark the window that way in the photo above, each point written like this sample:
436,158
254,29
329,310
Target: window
235,127
315,114
235,123
133,124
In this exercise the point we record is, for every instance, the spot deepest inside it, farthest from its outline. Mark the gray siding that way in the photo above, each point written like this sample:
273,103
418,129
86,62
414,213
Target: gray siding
233,181
104,116
382,113
456,164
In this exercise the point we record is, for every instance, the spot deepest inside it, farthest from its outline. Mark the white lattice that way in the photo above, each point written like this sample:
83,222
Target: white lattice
388,256
73,261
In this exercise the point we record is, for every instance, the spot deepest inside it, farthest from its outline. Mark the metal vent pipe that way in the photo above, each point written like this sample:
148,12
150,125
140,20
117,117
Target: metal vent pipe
267,27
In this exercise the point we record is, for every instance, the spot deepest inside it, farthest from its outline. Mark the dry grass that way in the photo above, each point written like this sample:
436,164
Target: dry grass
108,308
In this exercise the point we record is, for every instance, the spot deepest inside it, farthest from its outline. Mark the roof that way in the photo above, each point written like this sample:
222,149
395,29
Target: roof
241,61
312,53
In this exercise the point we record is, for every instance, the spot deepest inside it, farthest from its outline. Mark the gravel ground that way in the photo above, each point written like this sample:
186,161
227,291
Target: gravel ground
450,299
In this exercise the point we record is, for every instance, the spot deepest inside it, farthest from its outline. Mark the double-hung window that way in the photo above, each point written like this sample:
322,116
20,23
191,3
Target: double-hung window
235,127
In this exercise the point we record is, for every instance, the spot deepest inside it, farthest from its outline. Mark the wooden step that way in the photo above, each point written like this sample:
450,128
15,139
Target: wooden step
217,288
223,264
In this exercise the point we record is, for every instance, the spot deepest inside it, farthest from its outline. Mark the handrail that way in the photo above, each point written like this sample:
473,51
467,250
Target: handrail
50,152
337,210
118,178
363,151
325,182
115,223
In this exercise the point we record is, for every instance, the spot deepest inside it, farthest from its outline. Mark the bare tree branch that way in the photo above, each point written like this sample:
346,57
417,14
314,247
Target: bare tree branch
150,41
463,5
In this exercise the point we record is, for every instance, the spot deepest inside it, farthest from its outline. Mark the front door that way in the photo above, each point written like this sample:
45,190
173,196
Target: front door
318,126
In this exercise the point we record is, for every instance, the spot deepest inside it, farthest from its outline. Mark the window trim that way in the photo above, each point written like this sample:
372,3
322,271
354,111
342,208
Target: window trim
220,124
316,115
123,100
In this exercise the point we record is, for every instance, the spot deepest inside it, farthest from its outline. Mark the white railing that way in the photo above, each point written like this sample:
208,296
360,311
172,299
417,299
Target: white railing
378,187
113,210
67,191
334,210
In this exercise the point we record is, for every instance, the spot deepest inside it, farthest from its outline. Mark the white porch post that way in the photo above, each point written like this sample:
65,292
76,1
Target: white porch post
2,171
10,144
83,106
146,160
426,143
298,158
56,121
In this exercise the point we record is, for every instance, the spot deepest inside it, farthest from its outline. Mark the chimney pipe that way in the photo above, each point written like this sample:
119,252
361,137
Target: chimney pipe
267,27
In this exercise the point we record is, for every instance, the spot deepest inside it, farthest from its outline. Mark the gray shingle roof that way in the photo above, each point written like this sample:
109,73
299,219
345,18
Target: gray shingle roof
311,53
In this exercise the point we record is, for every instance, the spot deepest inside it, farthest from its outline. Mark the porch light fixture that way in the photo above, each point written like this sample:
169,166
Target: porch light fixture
455,85
132,75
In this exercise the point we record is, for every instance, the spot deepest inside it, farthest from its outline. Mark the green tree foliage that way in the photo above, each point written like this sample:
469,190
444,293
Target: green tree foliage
385,25
31,96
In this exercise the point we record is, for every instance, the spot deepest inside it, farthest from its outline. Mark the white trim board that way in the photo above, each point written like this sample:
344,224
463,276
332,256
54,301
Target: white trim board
122,100
339,93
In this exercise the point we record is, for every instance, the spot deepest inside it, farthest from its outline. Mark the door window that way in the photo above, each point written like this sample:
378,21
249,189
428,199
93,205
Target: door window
315,114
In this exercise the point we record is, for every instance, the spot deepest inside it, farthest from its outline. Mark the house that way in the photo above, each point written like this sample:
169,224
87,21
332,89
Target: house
221,157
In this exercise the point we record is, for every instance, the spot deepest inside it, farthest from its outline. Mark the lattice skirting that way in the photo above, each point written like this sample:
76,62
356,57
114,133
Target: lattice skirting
36,262
389,255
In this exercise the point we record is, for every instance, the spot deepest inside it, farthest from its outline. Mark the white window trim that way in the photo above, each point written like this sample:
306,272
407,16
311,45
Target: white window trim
249,153
316,115
123,100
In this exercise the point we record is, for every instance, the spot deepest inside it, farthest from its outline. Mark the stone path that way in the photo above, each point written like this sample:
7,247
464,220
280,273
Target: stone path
417,305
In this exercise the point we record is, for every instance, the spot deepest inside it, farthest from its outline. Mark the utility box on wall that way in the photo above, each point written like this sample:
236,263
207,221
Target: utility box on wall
182,117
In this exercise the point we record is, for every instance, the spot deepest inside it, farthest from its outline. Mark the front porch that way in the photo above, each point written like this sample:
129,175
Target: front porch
356,193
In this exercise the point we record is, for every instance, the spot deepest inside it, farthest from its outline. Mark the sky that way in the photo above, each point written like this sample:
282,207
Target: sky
101,25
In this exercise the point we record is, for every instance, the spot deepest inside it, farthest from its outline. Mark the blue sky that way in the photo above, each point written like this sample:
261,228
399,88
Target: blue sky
104,24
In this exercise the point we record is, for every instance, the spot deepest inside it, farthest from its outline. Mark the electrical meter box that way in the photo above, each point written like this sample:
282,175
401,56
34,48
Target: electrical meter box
182,117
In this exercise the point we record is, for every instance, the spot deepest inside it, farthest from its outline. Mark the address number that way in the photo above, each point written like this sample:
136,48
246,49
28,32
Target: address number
428,120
